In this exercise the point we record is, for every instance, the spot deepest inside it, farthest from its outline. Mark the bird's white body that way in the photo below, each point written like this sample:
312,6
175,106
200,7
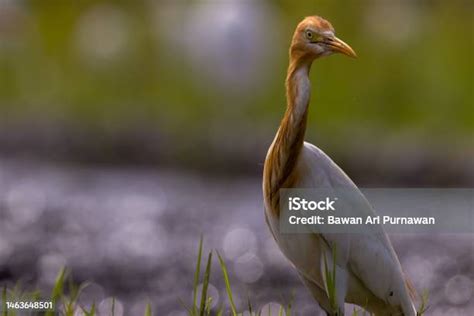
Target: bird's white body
368,272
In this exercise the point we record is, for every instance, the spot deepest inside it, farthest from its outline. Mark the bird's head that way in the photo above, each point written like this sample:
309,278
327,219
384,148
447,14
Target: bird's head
314,37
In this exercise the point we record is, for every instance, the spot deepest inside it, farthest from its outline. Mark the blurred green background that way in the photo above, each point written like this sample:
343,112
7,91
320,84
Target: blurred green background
199,84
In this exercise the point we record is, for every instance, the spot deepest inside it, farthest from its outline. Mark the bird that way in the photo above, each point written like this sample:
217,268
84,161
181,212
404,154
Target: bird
366,268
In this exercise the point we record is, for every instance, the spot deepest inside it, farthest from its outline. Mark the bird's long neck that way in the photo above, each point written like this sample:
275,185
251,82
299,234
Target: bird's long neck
284,152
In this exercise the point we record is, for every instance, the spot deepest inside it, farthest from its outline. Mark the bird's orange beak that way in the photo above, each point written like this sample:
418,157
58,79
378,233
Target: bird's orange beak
339,46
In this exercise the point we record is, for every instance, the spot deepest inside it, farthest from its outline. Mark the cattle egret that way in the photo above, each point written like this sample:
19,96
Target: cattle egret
367,270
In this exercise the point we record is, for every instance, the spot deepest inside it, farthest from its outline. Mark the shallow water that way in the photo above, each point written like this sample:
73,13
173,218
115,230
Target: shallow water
134,234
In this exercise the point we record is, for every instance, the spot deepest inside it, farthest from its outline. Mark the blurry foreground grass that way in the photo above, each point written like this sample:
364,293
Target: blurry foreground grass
65,299
65,296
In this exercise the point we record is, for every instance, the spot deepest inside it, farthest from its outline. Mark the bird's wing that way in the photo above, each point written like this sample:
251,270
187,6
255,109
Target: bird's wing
369,257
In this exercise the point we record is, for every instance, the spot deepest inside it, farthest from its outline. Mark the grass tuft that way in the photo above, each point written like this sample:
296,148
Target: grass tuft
424,303
196,276
148,310
66,300
330,279
227,284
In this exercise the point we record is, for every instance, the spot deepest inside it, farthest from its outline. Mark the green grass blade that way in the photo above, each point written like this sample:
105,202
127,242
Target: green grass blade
113,306
424,304
57,290
69,305
148,310
205,285
227,284
290,303
74,293
91,312
197,272
330,283
249,304
208,306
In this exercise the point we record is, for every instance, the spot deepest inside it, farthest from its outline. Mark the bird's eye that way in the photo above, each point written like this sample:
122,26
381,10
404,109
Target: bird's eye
309,35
